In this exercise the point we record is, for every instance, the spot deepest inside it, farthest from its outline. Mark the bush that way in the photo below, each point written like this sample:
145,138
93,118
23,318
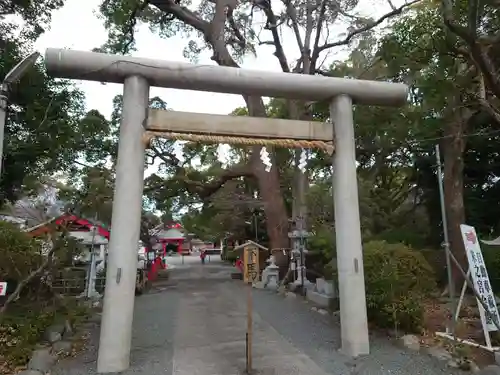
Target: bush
22,329
231,256
39,304
19,253
397,280
406,235
491,256
323,241
437,259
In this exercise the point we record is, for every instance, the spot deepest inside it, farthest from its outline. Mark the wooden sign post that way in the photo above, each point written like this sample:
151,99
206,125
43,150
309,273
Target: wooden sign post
251,275
251,264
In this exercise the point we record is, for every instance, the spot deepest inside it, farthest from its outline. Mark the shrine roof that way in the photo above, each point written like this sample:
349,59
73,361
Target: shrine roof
70,222
170,234
251,244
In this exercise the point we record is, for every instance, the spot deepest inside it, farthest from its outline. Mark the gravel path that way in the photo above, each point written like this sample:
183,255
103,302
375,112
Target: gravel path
196,323
319,338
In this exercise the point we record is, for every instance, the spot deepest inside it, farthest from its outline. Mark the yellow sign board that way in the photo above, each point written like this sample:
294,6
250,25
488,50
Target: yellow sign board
251,264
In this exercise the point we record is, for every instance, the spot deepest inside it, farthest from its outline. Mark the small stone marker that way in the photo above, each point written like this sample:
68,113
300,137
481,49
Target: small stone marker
62,347
411,342
41,360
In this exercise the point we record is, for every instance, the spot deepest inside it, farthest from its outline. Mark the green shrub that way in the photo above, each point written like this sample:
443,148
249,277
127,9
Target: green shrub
437,259
406,235
397,280
19,253
491,256
323,241
20,332
231,256
22,328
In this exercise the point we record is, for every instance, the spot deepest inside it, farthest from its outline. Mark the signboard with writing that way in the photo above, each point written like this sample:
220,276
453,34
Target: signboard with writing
251,265
480,278
3,288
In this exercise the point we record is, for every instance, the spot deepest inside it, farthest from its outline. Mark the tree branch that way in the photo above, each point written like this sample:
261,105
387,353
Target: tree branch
232,23
26,281
270,181
183,14
203,189
478,50
361,30
306,49
490,109
129,25
273,27
167,157
290,10
236,171
321,19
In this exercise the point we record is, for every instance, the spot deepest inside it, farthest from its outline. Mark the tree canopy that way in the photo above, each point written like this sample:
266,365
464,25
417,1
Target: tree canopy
443,50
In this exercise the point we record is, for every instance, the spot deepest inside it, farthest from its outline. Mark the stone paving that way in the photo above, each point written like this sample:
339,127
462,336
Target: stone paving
196,323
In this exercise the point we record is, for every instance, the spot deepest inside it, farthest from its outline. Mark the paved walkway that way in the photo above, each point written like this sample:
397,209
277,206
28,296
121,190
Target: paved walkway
196,325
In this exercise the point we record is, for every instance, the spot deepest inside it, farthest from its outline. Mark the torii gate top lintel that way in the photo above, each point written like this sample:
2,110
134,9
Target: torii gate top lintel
92,66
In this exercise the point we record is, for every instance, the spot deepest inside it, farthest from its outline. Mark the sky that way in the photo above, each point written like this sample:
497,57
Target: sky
77,26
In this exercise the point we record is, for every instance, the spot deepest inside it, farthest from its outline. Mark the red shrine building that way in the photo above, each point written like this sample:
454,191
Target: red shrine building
171,237
71,223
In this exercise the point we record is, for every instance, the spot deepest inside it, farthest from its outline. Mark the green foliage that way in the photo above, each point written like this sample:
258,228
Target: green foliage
20,331
19,254
36,15
73,310
231,256
491,255
409,236
47,128
22,328
323,241
94,195
26,318
397,280
437,259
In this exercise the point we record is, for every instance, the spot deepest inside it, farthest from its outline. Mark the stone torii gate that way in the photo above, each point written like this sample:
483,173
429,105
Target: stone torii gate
137,75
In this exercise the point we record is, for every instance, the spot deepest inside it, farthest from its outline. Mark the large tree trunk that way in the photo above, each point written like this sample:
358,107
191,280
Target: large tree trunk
269,186
454,146
274,207
270,189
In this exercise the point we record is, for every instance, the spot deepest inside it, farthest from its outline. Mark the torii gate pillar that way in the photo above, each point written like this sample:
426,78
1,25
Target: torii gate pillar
119,295
351,279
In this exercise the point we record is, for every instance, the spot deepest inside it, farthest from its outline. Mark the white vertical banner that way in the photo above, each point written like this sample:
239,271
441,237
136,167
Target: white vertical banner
3,288
480,278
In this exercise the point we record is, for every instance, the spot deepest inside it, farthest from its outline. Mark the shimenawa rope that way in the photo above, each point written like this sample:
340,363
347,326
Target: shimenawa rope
287,143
